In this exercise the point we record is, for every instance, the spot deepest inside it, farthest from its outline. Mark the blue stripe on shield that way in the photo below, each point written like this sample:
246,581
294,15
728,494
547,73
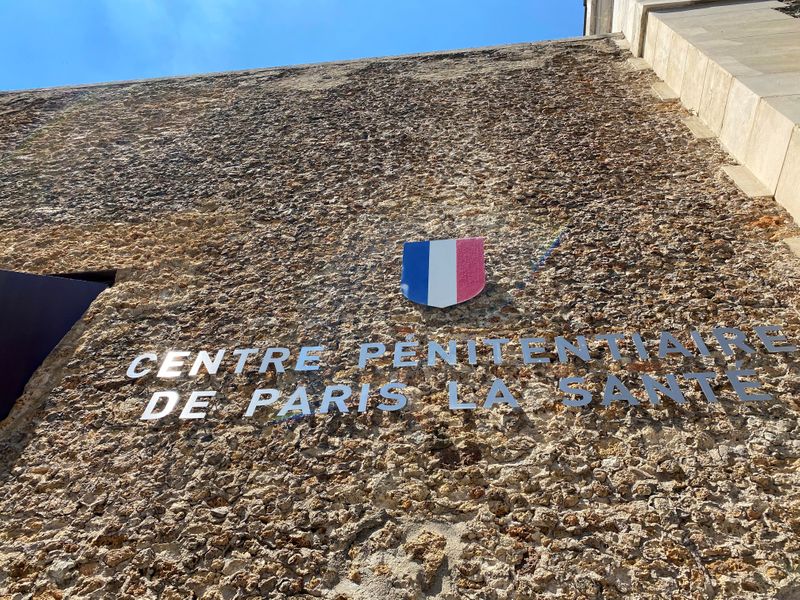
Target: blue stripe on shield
414,280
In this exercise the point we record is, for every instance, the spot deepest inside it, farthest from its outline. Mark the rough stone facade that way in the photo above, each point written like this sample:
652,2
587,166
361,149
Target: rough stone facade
268,208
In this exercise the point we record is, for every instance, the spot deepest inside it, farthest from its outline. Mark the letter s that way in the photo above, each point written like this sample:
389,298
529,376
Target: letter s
564,385
386,392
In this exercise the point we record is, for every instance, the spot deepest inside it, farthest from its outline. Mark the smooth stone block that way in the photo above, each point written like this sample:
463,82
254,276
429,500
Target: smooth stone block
693,78
788,192
622,43
734,66
695,18
774,84
774,63
716,11
638,19
788,105
663,92
662,49
620,13
794,245
676,63
740,113
698,128
716,85
746,181
774,40
630,29
638,64
651,35
768,143
735,30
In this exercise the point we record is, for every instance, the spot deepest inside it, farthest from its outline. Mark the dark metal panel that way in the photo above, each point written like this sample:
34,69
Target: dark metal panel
36,311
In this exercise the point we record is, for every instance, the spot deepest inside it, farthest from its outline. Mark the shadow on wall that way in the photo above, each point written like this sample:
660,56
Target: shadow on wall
39,330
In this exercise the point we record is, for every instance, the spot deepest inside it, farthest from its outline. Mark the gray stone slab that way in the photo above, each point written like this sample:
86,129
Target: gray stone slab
663,92
751,56
638,64
716,10
746,181
735,67
738,65
736,30
784,43
774,63
690,23
774,84
632,17
788,106
622,43
698,128
793,244
754,66
693,25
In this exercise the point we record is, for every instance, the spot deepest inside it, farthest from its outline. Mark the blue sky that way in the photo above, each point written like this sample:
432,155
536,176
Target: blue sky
46,43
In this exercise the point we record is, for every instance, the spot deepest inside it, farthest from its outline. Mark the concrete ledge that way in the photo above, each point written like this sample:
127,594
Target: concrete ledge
663,92
698,128
746,181
638,64
631,17
794,245
736,64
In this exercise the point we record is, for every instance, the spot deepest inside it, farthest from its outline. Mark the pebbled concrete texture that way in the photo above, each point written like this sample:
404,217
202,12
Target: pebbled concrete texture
269,208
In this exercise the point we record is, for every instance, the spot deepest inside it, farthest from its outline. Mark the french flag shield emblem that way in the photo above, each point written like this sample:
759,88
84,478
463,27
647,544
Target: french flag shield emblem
443,272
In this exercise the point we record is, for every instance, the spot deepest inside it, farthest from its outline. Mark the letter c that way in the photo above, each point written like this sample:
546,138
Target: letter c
132,373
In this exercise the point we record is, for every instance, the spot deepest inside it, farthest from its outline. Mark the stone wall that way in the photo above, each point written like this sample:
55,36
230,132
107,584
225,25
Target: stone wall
268,208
